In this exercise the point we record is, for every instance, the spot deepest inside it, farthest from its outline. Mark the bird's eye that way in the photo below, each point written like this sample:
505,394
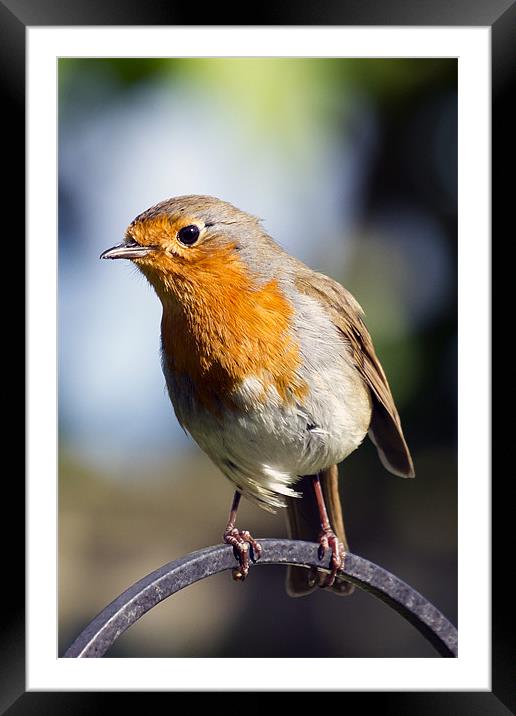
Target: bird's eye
188,235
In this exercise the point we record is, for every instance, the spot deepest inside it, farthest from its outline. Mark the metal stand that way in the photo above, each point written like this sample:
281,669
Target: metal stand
124,611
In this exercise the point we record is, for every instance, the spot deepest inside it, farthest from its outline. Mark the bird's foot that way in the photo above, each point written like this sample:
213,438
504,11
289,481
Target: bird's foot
329,540
245,549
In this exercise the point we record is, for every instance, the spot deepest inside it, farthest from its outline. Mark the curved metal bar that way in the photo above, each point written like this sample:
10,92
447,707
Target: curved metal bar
124,611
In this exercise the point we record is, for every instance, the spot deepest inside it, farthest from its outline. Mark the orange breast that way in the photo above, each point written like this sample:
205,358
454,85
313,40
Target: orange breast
218,329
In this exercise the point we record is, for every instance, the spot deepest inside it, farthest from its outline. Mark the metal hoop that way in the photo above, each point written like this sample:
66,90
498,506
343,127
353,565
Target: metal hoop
124,611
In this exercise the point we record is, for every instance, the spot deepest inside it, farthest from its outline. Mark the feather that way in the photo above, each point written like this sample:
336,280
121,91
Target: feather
347,315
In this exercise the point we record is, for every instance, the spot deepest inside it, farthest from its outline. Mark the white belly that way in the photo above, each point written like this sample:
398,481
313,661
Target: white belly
264,447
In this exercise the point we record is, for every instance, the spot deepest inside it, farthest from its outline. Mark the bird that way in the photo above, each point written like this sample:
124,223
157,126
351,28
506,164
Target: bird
269,367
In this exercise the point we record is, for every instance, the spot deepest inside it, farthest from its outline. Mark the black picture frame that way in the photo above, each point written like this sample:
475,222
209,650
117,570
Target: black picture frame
15,17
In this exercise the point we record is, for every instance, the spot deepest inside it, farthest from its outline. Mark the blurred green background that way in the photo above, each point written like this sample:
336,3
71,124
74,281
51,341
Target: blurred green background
352,165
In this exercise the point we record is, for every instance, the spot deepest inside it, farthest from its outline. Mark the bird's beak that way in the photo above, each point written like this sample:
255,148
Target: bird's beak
127,250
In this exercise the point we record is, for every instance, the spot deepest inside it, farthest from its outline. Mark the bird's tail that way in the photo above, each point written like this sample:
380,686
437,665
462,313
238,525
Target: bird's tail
303,522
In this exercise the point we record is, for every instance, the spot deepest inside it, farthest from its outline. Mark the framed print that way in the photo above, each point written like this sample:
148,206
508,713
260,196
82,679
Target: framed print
124,144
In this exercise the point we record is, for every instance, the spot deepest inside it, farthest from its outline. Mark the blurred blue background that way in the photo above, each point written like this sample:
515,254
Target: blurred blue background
352,165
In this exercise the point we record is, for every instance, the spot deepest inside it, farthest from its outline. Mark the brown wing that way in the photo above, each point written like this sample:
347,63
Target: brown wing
345,312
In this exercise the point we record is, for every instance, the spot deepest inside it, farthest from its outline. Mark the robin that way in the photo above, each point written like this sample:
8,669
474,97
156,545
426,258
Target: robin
269,367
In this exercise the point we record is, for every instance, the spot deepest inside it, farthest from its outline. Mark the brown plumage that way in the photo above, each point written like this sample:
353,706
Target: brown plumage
346,313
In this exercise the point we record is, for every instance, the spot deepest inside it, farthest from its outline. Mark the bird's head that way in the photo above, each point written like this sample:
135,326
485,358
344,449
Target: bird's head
194,241
217,274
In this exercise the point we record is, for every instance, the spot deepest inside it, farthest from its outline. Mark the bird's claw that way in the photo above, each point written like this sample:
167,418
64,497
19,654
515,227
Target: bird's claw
245,549
329,540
